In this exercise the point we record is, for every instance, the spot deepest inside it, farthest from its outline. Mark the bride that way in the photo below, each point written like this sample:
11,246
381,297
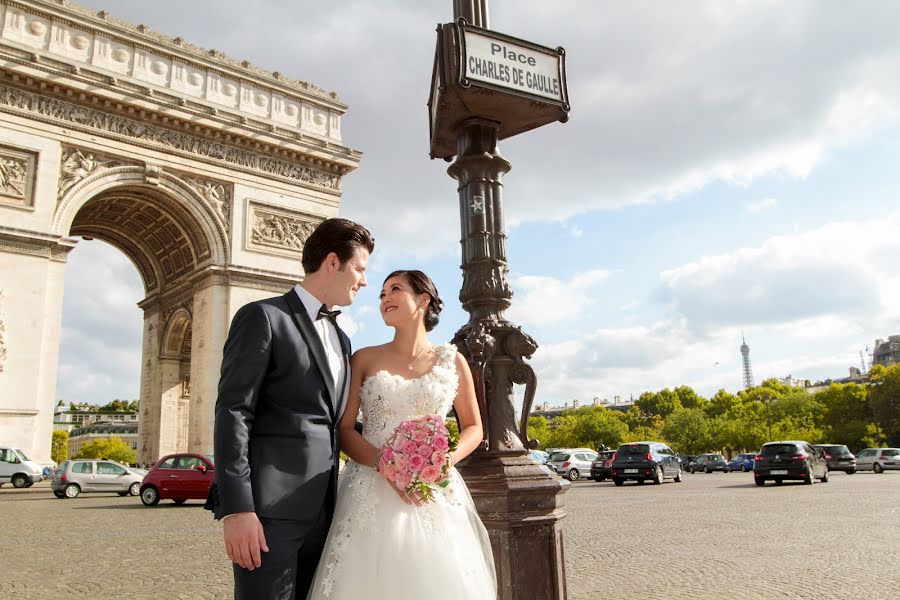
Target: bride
383,542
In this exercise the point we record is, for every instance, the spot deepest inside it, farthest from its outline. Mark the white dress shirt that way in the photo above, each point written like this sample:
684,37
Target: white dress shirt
327,333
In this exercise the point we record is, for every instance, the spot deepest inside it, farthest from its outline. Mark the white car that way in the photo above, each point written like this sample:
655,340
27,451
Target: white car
572,464
878,459
15,468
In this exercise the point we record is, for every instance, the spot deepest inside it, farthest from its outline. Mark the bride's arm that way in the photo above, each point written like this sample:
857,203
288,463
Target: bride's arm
353,444
466,405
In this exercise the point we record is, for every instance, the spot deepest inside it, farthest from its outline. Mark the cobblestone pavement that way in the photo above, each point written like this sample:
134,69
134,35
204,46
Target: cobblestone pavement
712,536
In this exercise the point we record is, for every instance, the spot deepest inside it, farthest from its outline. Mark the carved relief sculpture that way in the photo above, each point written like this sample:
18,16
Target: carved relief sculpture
16,177
78,164
280,231
216,194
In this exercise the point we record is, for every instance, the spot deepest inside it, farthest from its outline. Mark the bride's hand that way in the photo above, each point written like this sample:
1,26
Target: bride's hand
412,498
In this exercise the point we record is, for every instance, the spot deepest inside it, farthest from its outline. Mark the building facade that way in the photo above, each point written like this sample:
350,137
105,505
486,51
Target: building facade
887,352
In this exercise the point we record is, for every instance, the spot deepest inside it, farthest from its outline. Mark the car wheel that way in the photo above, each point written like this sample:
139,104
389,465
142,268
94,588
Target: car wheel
641,481
743,468
72,490
691,470
658,476
679,476
708,470
618,482
179,501
779,481
824,477
59,494
19,480
851,471
809,479
122,493
150,496
760,481
134,489
876,467
573,475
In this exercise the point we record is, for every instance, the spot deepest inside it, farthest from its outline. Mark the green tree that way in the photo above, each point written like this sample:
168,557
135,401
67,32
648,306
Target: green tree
596,425
846,417
661,403
641,426
884,400
120,406
688,430
59,446
689,398
720,404
112,448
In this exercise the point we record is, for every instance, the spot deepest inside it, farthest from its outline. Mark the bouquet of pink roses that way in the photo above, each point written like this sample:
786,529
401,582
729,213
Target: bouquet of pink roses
415,457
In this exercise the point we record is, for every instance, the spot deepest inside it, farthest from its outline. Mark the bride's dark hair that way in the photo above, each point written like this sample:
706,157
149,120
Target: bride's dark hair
422,284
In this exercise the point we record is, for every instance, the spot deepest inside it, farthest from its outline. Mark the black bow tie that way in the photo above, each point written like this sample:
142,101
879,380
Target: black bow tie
331,314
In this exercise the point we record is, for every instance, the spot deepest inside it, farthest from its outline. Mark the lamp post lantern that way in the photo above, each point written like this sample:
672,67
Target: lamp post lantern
487,86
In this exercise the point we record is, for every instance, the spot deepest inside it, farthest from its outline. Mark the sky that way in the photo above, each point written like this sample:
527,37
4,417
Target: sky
728,169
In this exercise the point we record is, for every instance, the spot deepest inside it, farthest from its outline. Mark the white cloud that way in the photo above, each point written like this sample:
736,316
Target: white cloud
761,205
541,300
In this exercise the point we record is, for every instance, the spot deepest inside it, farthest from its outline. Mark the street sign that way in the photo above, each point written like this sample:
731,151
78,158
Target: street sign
479,73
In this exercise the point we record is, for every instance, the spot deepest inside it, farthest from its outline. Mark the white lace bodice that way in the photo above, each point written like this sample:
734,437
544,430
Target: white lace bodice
386,399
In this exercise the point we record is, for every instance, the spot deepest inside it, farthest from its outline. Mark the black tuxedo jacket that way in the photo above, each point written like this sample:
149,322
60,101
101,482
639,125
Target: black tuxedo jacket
276,428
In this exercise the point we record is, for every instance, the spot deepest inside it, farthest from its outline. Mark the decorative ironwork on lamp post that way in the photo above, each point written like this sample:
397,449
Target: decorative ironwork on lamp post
487,86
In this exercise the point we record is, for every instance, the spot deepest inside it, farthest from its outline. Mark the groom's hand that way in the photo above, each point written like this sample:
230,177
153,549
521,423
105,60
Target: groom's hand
244,538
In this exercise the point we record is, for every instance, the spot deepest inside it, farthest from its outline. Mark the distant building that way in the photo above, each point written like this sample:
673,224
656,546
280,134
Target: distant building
887,353
798,383
87,424
856,376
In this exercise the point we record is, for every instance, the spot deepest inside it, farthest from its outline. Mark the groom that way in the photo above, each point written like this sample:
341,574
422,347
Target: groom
283,388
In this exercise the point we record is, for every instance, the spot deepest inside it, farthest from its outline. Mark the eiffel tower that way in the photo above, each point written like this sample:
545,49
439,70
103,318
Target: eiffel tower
745,356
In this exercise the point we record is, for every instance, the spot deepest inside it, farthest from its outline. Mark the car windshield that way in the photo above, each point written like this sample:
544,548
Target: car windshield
557,456
716,458
19,454
209,458
634,449
773,449
890,452
836,449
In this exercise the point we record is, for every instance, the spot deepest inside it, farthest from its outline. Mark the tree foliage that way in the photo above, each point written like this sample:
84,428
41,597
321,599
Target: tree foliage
112,448
59,446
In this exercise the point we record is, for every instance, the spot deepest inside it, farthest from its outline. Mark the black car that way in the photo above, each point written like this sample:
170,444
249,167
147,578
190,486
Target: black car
601,468
778,461
709,463
839,458
642,461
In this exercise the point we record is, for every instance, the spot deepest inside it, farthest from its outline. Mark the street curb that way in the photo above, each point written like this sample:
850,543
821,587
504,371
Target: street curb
37,488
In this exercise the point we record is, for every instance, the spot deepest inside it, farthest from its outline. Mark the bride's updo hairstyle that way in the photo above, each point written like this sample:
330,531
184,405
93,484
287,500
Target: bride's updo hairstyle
422,284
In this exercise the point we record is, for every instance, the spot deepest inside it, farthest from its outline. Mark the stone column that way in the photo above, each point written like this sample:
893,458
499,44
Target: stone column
210,328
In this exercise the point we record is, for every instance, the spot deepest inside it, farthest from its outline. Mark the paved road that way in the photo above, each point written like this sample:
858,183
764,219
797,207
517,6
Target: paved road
712,536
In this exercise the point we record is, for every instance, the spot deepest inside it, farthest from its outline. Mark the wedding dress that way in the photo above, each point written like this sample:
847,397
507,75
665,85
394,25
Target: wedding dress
379,547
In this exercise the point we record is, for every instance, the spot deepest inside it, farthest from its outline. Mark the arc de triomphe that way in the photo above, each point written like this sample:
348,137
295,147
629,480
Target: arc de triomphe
207,172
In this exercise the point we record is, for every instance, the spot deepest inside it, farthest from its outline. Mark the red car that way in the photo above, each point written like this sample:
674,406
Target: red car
178,477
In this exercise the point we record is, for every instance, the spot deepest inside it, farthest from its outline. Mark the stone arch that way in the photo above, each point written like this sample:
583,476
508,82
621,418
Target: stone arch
124,202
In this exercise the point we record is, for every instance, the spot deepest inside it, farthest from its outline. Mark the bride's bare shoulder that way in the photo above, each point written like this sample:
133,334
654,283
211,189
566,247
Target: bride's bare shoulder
364,358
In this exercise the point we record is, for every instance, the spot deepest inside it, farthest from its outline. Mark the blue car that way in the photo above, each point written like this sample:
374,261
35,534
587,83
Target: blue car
741,462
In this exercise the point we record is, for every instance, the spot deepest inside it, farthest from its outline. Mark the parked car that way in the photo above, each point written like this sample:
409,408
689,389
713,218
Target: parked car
573,463
709,463
178,477
838,457
601,468
94,475
15,468
538,456
878,459
789,460
741,462
643,461
686,460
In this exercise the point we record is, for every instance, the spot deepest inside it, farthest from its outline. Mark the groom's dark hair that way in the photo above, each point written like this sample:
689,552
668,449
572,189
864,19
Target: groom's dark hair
336,235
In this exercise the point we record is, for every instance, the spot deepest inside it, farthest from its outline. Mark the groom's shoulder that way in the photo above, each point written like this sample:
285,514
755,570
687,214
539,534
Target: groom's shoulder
270,306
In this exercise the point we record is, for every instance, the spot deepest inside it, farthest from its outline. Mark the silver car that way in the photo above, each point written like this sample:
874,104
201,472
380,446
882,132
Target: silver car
95,475
878,459
572,463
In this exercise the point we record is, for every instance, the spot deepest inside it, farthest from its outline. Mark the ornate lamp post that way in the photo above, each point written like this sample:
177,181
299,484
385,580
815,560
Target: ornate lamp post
519,502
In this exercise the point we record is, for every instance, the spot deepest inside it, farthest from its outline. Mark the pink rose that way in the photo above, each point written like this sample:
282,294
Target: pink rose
410,447
408,426
398,443
401,462
425,450
429,474
389,472
419,436
416,462
439,459
441,442
387,454
402,480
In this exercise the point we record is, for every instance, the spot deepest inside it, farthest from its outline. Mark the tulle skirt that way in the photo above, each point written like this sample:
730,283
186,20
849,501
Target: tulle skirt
381,548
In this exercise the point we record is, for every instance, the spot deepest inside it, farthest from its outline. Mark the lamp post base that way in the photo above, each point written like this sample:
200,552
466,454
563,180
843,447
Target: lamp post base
521,506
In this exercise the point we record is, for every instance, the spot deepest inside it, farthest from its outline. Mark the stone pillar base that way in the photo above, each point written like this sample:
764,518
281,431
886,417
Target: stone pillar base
521,506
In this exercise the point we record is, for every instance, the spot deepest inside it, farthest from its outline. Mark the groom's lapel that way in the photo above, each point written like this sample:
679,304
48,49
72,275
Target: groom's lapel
345,383
304,324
